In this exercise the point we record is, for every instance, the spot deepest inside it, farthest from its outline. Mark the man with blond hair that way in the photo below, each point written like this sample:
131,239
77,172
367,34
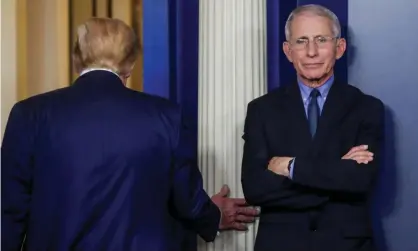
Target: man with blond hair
97,166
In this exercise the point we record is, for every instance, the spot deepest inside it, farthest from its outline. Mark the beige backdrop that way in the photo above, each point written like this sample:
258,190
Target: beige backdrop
35,44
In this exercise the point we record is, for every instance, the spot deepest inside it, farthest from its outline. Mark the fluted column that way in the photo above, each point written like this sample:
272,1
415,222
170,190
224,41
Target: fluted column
232,72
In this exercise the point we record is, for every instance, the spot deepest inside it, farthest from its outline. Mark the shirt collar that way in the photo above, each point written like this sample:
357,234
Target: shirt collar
323,89
97,69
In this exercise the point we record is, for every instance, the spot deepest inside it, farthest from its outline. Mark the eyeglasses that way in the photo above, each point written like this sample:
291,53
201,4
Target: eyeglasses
320,42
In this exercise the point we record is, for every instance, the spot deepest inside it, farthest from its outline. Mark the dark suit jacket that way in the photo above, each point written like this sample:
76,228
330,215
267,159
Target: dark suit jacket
97,166
326,205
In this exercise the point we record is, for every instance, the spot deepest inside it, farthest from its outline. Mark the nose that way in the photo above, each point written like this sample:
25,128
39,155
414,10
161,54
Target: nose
312,49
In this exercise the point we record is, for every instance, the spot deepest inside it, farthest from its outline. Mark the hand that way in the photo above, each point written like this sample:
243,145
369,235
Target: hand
235,212
359,154
280,165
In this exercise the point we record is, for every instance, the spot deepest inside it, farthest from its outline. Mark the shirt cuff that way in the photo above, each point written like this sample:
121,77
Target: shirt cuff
292,166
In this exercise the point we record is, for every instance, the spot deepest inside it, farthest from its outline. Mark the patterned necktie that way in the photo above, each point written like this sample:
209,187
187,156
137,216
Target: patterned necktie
313,111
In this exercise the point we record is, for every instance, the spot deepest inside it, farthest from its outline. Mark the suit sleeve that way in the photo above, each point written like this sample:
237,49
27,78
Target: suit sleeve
340,175
193,207
16,178
262,187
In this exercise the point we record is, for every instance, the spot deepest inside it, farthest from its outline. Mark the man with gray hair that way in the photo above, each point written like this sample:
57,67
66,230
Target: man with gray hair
312,148
96,166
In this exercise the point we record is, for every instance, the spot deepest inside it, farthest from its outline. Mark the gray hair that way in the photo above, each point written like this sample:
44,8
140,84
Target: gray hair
316,10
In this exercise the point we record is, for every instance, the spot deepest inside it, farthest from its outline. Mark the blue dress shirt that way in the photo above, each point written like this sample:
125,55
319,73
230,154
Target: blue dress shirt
305,91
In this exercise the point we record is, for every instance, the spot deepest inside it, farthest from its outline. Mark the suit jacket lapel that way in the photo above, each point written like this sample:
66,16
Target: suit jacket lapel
297,118
336,106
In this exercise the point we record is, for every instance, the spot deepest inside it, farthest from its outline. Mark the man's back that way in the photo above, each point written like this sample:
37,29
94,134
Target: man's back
96,166
101,166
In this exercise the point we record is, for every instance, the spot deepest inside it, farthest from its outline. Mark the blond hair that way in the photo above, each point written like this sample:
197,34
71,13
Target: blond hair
105,43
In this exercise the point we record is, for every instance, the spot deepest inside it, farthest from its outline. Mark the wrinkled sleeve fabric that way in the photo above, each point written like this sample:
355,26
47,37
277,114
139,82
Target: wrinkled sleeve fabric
192,204
16,177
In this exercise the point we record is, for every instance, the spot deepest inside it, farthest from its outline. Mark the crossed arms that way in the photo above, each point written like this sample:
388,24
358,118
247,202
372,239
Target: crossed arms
266,180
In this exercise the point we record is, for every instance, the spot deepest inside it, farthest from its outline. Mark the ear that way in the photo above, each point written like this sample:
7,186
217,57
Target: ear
128,74
287,51
341,47
130,71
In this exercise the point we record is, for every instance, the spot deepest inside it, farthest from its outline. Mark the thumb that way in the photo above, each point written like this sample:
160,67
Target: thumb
224,191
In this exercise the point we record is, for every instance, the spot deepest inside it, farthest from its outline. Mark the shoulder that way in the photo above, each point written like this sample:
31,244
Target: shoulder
372,101
370,108
270,98
168,114
156,103
365,100
37,103
162,111
373,109
25,115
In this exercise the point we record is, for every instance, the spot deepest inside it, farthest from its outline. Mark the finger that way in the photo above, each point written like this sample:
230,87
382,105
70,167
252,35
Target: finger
357,148
361,154
358,153
239,202
363,160
224,191
239,226
348,154
353,150
357,157
247,211
245,219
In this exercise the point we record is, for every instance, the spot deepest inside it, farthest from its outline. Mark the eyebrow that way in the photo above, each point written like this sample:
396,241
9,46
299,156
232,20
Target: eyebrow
306,37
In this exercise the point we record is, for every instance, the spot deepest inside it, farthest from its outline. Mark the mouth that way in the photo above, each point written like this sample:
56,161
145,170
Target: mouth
313,65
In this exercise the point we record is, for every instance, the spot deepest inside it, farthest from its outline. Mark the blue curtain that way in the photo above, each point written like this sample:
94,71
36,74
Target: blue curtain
170,42
279,70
